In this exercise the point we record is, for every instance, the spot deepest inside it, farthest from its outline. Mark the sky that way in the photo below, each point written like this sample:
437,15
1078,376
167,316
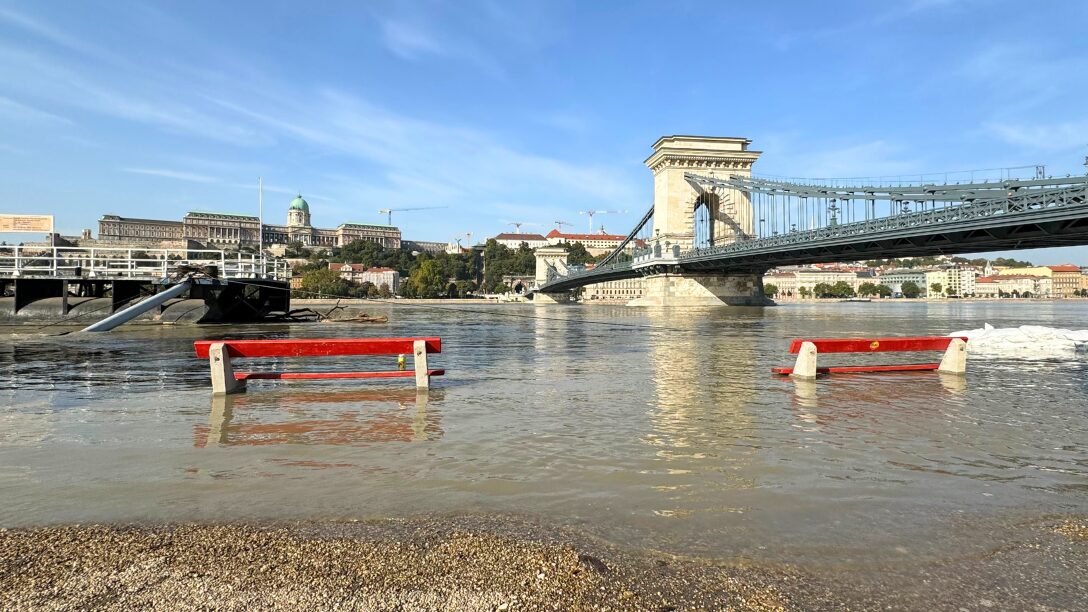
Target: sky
502,111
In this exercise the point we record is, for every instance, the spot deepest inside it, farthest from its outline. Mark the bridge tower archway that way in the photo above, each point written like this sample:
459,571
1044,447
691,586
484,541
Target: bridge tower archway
705,220
676,200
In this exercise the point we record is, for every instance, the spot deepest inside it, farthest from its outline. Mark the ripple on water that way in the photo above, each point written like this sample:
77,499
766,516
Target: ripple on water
668,432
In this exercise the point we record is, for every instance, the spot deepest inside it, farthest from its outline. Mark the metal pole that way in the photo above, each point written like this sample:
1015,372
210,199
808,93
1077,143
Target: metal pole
260,220
137,309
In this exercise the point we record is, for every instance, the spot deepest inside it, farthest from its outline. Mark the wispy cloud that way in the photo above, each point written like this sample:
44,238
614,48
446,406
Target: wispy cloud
410,41
21,112
173,174
1042,136
805,157
373,156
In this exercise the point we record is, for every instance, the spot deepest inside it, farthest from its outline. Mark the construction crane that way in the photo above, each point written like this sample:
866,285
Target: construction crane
599,212
389,211
517,225
559,225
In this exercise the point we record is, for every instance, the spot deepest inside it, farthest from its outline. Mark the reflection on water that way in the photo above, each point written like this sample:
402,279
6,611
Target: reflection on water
322,417
666,431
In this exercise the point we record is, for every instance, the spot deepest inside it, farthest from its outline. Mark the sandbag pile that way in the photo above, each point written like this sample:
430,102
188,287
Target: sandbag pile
1026,342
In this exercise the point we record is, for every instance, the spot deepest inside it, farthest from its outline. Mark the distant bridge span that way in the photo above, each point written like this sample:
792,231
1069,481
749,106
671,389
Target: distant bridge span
741,226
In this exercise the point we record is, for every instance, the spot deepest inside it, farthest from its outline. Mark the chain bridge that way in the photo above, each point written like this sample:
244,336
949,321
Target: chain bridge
715,229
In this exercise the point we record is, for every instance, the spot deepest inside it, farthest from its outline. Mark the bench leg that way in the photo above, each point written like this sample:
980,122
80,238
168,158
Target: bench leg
805,367
423,381
223,381
955,358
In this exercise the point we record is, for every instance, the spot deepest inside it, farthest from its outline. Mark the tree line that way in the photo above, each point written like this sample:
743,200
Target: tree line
424,275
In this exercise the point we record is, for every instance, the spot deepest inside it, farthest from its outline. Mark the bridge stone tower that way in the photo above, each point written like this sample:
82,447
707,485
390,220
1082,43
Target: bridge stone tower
550,261
727,217
676,200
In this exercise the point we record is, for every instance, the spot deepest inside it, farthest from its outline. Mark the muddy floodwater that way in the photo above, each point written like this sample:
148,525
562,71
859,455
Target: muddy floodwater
659,430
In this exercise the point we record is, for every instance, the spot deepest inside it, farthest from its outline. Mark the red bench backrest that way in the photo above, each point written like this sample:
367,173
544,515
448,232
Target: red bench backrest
318,347
876,345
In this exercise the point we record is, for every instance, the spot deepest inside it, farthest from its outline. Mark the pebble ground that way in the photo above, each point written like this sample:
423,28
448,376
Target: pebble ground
448,563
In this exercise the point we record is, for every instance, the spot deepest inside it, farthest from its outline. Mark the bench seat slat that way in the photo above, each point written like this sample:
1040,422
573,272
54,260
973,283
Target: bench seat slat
318,347
906,367
330,375
875,345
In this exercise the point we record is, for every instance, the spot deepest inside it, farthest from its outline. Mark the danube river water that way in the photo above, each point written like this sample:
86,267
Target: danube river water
655,429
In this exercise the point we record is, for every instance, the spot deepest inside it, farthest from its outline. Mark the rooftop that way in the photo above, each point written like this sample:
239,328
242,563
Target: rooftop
598,236
521,237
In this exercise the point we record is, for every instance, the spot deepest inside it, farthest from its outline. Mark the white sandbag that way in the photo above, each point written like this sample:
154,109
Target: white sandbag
1026,342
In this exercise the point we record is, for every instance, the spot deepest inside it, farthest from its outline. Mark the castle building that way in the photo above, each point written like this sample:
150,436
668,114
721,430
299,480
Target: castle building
224,230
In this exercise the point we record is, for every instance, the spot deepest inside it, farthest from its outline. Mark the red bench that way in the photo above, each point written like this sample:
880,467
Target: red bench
225,380
954,360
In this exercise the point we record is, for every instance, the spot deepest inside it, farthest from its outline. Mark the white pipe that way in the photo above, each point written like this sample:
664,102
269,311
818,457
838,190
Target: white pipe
137,309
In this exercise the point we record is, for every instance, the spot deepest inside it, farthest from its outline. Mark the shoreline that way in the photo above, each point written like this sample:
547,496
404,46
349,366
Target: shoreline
497,562
472,562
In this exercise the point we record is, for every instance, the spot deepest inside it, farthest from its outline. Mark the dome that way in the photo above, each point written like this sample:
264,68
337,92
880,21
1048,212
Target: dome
299,204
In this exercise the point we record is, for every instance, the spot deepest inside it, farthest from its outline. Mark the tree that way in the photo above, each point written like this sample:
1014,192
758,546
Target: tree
577,254
823,290
384,291
427,280
842,289
867,289
325,283
770,289
935,288
910,289
883,290
803,292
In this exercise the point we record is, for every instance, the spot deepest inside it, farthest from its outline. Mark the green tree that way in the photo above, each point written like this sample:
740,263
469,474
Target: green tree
842,289
867,289
883,290
427,280
823,290
936,288
770,289
804,292
325,283
384,291
1012,263
910,289
577,254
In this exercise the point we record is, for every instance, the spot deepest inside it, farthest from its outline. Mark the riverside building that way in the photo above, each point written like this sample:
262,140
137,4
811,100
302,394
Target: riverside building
225,230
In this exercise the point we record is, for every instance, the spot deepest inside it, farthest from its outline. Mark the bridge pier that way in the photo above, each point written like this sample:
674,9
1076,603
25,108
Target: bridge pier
543,299
703,289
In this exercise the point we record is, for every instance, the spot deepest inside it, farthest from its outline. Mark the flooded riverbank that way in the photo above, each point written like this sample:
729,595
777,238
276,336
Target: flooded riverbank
657,431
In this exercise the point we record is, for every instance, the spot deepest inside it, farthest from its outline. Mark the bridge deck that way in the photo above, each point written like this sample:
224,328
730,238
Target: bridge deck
990,216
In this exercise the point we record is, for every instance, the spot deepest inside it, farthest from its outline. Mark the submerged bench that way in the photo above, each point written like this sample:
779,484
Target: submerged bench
225,380
953,362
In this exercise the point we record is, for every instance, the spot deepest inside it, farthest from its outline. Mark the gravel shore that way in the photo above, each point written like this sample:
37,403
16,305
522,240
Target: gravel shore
494,563
461,564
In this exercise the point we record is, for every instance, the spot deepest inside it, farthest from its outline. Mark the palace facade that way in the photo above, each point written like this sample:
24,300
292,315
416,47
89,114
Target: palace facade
223,230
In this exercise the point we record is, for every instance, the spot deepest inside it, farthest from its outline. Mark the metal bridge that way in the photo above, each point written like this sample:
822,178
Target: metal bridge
800,222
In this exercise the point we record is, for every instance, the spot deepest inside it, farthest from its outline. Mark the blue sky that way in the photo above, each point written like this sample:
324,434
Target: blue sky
509,111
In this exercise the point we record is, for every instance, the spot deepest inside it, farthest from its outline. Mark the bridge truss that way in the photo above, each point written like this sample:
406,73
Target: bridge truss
797,222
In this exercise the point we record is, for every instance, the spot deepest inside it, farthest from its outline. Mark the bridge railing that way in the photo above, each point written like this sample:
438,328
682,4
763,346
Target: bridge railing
112,262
